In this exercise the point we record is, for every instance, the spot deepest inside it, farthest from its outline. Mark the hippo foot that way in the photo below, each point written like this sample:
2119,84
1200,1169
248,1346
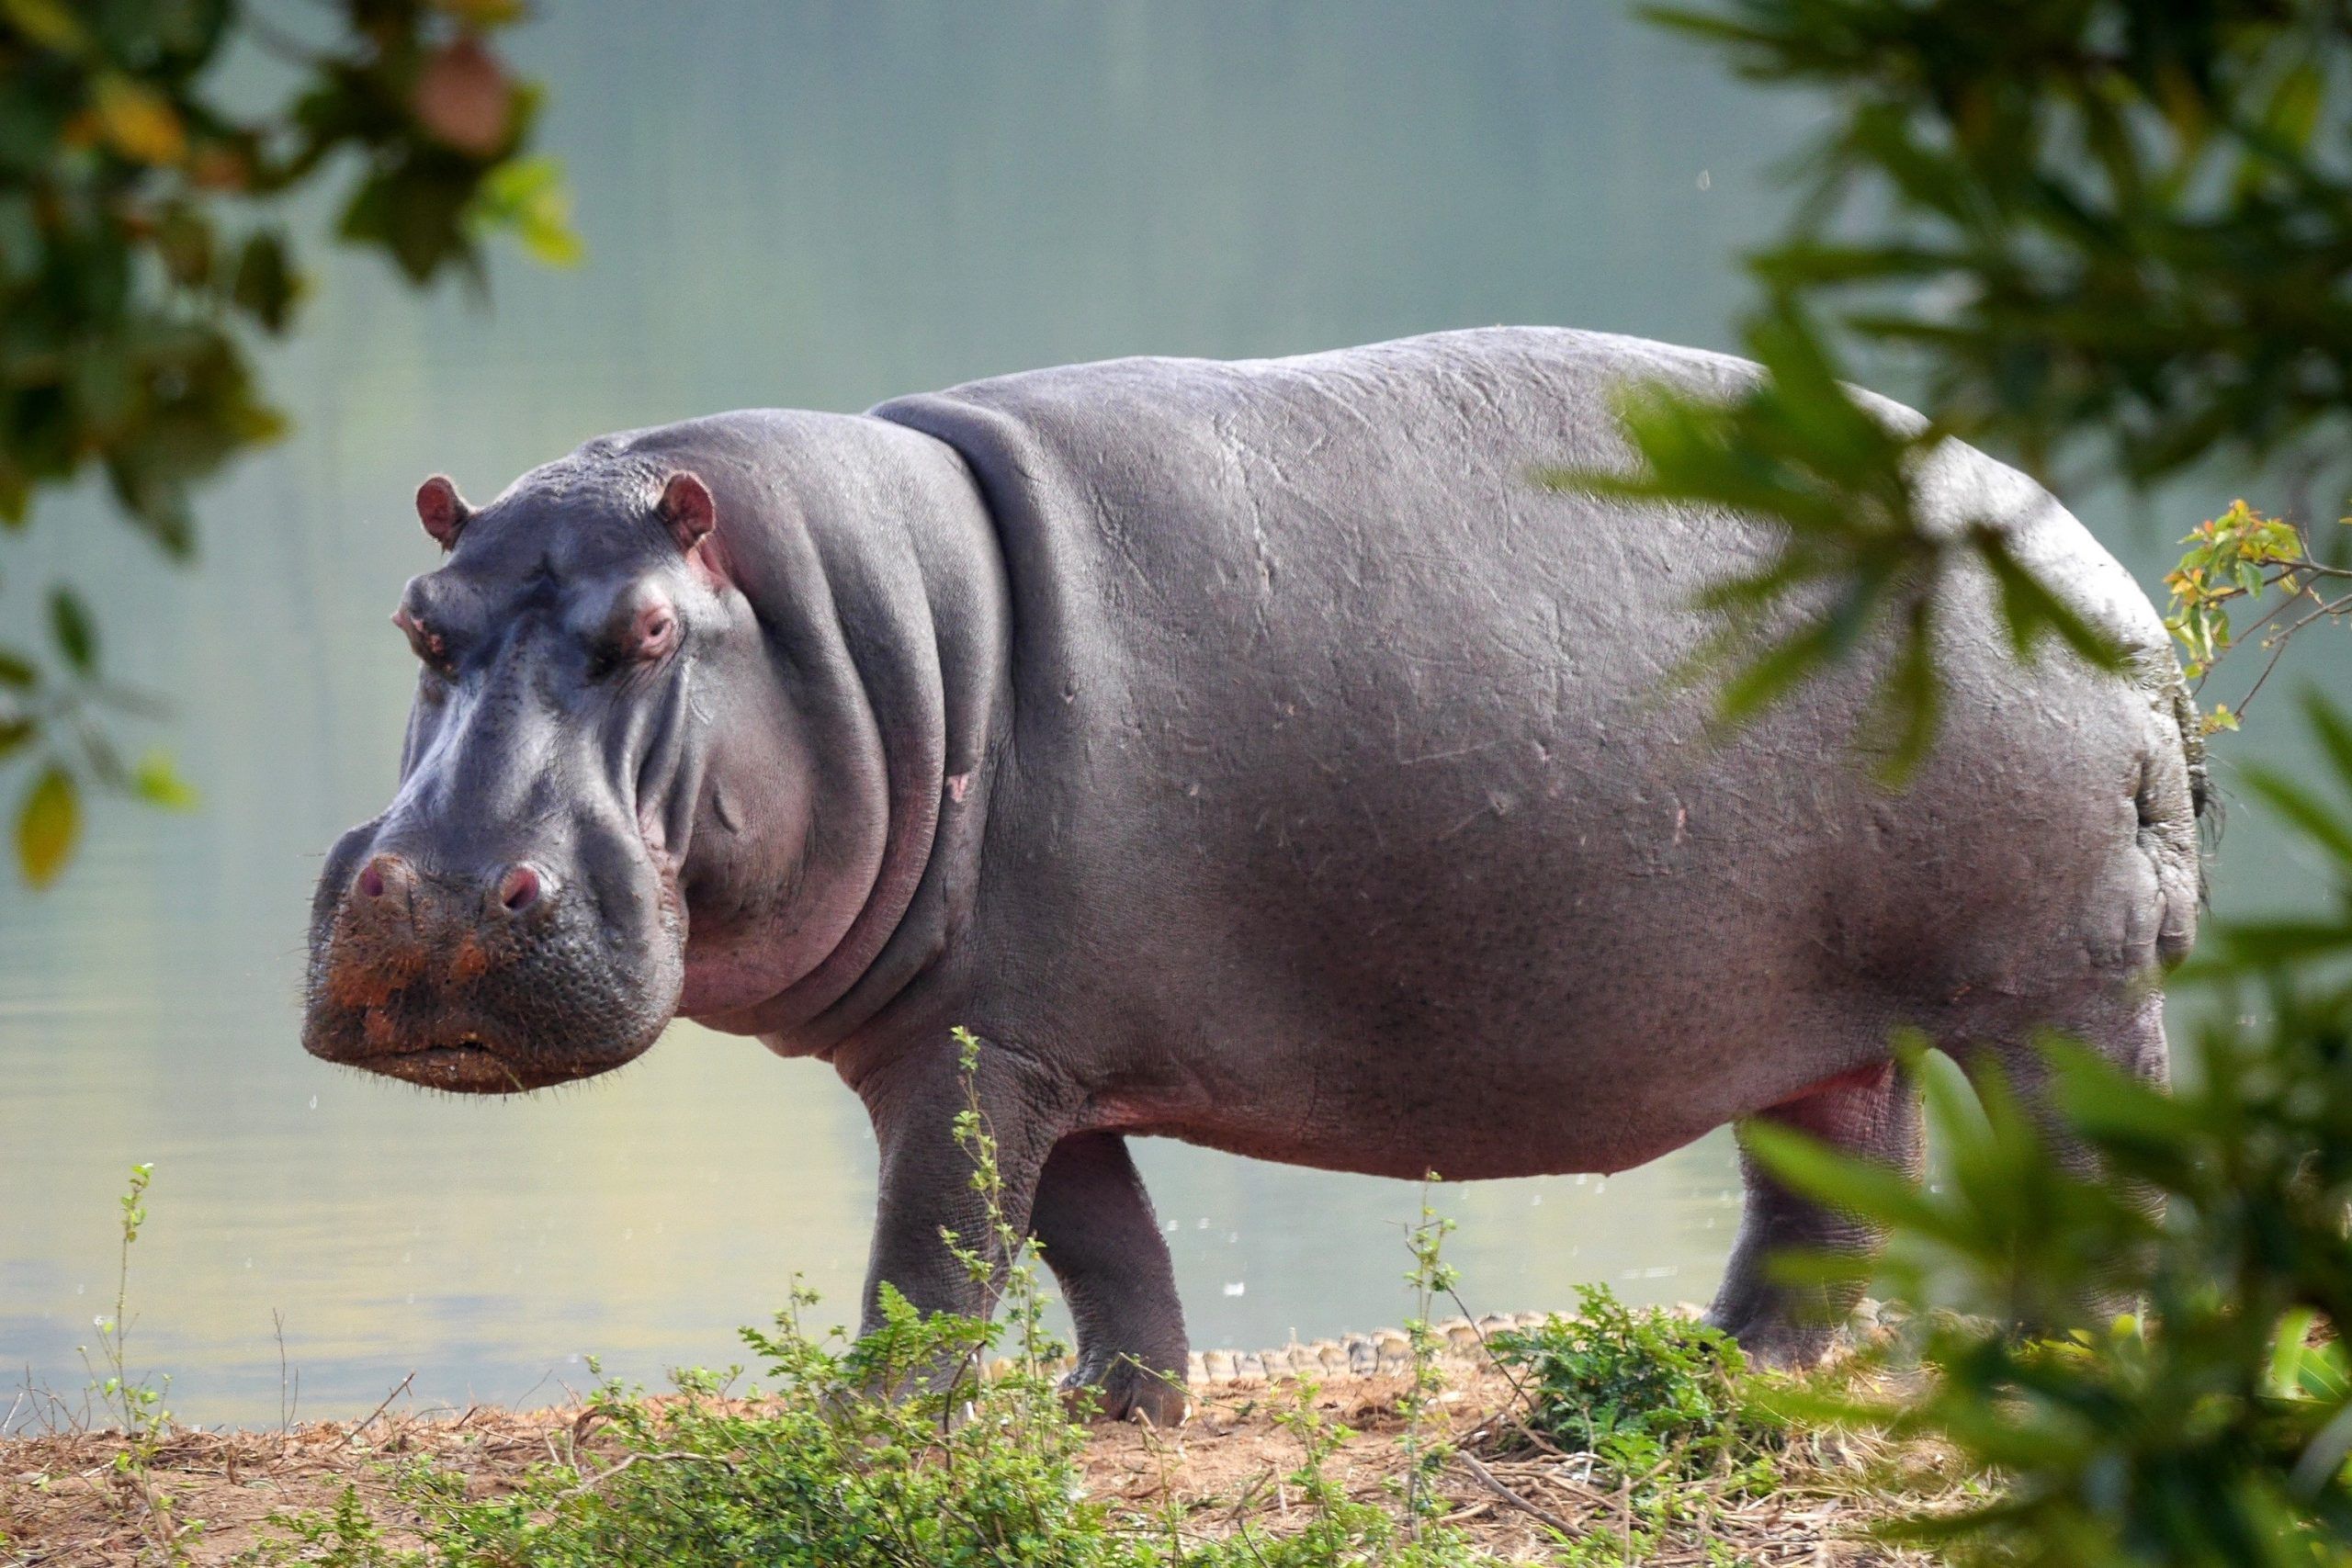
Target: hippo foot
1106,1388
1782,1347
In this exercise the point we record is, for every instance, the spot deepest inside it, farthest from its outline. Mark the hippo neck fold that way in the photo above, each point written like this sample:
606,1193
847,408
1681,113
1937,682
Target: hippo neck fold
869,558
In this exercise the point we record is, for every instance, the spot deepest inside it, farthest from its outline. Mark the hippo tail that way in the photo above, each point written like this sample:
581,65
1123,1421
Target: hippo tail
2179,816
2203,803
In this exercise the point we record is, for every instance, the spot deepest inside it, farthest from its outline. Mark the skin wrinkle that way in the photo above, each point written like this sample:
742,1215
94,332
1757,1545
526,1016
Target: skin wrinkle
840,967
1253,754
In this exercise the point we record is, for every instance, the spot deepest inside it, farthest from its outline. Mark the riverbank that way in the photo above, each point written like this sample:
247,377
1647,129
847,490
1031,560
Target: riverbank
74,1499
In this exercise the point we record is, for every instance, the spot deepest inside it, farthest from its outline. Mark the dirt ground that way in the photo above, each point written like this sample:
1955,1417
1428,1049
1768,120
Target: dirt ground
65,1503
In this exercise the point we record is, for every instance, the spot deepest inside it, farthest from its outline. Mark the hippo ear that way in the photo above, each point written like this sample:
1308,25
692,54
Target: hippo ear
687,509
443,511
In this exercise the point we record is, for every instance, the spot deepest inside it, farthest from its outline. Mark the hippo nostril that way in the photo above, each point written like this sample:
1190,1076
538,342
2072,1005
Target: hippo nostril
519,889
377,875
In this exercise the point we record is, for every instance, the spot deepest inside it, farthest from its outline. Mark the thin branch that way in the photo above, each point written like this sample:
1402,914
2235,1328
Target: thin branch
1487,1479
592,1483
2279,644
2298,596
398,1389
1453,1294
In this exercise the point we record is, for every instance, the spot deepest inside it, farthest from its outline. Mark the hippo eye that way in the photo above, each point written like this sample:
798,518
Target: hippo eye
653,633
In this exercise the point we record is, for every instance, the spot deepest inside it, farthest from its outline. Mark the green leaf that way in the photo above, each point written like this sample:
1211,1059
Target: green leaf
1775,670
2287,1351
105,384
266,287
70,627
526,197
46,22
2030,609
2295,104
20,236
1954,1109
183,241
484,14
2268,943
157,782
2111,1104
138,120
1843,1182
47,826
17,670
1907,705
416,211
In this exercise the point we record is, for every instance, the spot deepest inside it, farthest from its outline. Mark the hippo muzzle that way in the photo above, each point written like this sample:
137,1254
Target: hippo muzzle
498,980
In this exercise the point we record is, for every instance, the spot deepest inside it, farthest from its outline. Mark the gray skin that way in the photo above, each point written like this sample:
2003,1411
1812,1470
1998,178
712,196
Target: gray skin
1248,753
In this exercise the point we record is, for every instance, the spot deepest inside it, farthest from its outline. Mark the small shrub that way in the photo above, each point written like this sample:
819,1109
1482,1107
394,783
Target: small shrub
1648,1393
822,1470
135,1402
346,1537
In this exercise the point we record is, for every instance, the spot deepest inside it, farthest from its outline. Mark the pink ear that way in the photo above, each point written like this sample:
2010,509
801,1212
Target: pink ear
688,509
443,511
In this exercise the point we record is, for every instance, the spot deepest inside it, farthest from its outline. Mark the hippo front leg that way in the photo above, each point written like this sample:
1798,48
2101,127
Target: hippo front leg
1095,1222
926,1186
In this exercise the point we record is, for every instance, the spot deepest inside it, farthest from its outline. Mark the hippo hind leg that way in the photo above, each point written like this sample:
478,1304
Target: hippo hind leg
1876,1115
1873,1114
2127,1027
1094,1224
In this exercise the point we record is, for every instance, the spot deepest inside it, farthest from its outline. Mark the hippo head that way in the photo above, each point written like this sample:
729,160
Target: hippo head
514,918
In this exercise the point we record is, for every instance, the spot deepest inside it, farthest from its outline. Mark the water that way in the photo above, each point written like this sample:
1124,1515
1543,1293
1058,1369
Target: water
812,206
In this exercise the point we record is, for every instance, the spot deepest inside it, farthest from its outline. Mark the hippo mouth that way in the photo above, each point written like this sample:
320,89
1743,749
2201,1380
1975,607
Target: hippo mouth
466,1066
471,1063
422,1035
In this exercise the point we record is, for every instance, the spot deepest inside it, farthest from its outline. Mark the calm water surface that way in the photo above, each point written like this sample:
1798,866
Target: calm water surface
819,207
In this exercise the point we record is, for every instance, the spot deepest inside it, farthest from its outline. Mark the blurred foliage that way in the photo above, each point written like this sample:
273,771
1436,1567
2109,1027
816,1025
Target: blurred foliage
2107,239
2112,240
2213,1426
2116,228
140,248
2213,1432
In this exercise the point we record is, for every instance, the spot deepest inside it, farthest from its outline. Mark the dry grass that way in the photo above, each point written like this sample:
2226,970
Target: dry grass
1224,1467
65,1501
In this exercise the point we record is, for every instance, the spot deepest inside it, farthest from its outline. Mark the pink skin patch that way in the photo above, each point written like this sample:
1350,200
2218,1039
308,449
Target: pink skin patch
1869,1075
959,786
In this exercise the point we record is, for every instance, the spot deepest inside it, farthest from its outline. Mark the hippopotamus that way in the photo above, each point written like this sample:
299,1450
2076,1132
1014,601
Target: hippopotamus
1254,754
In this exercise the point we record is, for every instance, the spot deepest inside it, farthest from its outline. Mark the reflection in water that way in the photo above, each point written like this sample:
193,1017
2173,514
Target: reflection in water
821,211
